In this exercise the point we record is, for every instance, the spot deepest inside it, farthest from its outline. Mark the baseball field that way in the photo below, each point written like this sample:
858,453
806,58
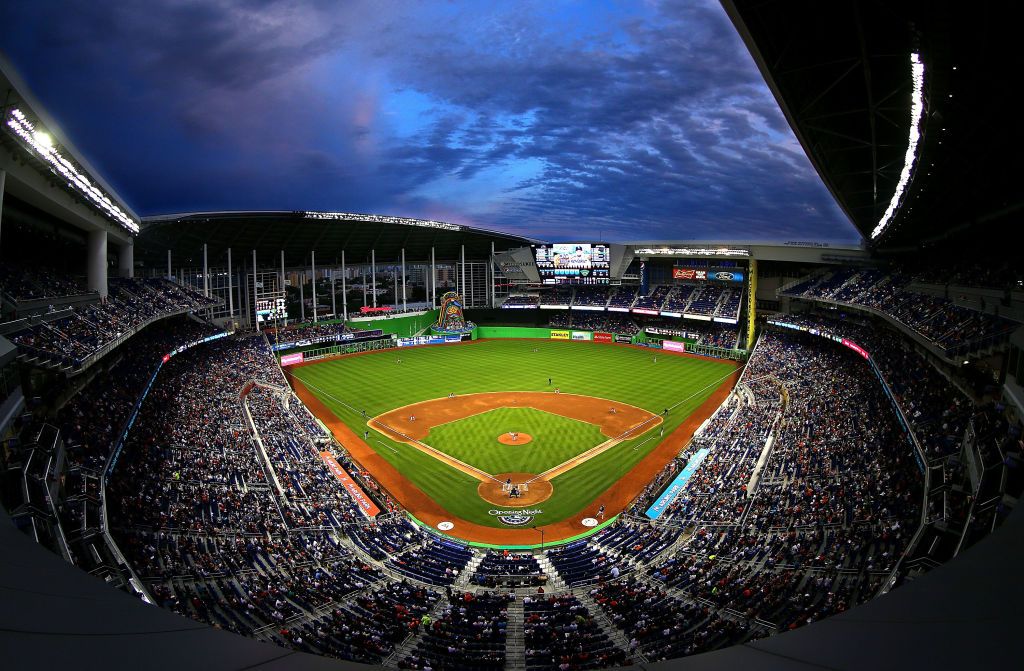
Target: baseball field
491,438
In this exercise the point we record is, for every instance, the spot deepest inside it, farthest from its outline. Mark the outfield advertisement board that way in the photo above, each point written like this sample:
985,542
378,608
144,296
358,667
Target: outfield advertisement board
428,340
619,337
560,335
368,507
292,359
353,336
678,484
673,346
603,337
581,335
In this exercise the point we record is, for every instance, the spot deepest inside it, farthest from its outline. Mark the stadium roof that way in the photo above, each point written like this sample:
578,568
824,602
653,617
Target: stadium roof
841,71
296,233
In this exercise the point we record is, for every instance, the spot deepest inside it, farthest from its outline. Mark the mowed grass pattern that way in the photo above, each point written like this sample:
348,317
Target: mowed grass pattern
474,440
377,383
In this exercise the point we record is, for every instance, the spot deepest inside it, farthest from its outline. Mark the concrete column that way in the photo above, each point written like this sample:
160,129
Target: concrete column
312,266
403,279
373,275
96,263
253,312
344,289
433,278
334,300
3,179
170,273
206,274
231,289
126,259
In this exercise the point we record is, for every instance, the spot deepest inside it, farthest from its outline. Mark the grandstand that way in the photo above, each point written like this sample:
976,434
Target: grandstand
154,436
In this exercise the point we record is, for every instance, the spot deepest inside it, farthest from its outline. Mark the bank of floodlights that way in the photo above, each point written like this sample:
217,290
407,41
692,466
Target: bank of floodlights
41,143
910,160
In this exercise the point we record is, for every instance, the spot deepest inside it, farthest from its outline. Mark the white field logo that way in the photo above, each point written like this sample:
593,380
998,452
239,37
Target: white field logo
515,518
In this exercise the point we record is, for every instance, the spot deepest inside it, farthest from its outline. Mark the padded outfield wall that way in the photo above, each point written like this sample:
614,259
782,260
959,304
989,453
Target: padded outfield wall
401,325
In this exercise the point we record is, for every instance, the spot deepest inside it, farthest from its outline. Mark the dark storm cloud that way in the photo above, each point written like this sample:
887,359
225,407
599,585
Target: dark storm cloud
643,121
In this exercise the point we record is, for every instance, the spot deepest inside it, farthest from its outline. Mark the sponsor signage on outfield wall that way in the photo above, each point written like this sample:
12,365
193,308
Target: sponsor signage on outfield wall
560,335
291,359
603,337
428,340
673,346
581,335
620,337
677,486
360,498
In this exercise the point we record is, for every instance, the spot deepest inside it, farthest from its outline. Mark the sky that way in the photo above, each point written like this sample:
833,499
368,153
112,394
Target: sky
632,120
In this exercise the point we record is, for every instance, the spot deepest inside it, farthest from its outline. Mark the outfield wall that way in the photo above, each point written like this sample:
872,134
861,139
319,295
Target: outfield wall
400,325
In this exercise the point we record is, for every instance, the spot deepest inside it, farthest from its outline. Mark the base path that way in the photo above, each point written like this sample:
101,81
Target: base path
615,498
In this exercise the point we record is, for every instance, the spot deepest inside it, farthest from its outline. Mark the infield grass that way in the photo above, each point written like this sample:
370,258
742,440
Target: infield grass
376,383
474,440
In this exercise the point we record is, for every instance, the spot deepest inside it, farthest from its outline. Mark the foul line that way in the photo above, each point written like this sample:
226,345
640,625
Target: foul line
608,444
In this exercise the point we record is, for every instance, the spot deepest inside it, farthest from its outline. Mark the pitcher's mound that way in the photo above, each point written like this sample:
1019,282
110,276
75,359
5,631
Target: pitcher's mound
514,438
495,491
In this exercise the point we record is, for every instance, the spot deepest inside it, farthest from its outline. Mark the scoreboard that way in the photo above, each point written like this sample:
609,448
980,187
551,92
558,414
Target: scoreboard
573,263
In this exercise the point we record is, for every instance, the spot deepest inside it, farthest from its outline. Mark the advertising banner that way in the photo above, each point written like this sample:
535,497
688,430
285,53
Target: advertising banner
291,359
644,311
619,337
603,337
673,346
560,335
581,335
689,274
368,507
677,485
855,347
726,276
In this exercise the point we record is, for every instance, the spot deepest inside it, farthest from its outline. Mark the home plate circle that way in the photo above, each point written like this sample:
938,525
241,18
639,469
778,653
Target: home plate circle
587,522
445,526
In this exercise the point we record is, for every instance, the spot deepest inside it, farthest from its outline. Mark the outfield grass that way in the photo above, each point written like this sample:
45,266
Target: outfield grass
376,383
474,440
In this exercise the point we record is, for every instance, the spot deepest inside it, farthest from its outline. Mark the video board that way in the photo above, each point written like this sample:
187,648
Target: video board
573,263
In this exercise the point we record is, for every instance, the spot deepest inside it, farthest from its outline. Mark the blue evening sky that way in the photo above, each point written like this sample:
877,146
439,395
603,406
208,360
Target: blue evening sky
634,120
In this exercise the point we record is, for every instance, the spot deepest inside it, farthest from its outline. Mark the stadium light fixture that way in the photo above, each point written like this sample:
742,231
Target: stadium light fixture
382,219
910,159
41,143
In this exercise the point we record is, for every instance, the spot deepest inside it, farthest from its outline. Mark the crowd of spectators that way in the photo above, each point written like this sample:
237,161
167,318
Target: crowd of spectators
20,282
952,327
799,508
84,330
306,332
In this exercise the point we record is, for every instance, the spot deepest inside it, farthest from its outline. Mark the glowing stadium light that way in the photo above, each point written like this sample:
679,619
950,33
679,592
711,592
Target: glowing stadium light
691,251
382,219
41,143
909,161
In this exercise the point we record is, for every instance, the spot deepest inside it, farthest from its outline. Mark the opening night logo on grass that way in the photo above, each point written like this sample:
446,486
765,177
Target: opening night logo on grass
515,518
